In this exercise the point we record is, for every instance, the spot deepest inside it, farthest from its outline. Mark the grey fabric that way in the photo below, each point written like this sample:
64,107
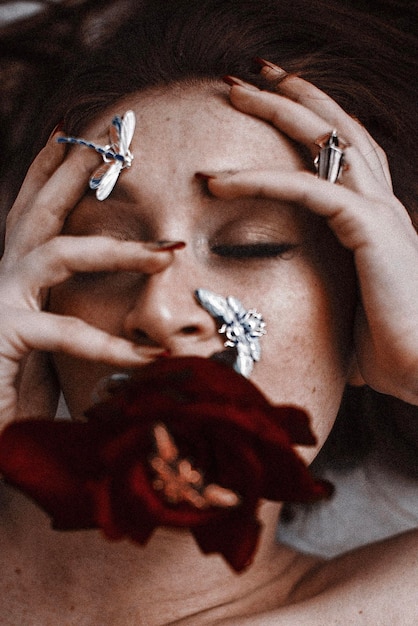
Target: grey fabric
371,502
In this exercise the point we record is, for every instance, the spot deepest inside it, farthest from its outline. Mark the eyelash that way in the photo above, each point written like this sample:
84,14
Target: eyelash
228,251
253,250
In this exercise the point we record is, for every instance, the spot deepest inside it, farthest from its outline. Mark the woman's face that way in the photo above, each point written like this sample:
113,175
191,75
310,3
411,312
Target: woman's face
273,256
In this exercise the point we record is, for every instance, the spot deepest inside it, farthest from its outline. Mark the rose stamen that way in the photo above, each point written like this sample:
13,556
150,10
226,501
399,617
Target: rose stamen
179,481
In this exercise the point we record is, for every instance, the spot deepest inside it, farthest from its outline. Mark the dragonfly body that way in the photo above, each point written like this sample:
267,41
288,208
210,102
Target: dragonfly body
242,327
116,155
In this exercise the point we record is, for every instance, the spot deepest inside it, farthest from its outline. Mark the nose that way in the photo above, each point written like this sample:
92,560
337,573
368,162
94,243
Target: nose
165,313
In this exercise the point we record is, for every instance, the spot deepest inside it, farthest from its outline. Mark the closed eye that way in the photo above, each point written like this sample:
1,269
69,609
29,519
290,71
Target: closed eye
253,250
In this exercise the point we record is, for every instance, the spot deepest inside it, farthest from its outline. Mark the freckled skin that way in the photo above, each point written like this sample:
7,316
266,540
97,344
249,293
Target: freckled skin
306,296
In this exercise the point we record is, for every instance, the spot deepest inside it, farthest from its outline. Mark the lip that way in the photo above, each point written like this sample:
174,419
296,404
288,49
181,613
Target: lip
110,384
223,356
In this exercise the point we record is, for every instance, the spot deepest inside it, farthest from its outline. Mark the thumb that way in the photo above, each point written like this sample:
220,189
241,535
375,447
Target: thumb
38,387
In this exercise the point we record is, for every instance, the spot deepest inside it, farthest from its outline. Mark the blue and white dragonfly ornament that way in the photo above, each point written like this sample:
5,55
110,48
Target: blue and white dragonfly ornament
116,155
242,327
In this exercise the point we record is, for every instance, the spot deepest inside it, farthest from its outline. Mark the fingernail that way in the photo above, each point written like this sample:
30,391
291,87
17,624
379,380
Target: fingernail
164,355
58,128
202,176
205,176
149,354
165,246
271,71
232,80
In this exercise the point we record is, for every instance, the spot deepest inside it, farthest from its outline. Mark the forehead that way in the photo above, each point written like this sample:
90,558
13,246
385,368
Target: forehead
190,128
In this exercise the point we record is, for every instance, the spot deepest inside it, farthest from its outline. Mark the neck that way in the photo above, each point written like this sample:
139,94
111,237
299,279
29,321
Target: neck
81,574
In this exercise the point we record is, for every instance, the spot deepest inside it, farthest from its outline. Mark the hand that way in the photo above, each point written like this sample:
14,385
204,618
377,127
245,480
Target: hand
36,258
362,212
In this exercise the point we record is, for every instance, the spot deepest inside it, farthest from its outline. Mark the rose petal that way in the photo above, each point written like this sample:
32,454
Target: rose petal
50,462
98,474
235,538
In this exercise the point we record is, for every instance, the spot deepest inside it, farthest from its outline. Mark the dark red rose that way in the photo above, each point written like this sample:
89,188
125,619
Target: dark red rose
186,442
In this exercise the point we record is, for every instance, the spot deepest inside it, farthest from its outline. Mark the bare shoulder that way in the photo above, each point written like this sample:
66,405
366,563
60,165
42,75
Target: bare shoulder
375,584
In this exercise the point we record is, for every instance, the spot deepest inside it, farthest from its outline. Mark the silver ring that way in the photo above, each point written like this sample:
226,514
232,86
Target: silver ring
330,160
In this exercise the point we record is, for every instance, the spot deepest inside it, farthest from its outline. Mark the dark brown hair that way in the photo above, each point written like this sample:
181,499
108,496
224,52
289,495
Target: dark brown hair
76,58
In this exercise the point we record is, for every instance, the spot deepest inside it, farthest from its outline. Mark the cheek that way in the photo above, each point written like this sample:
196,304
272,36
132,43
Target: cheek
79,381
100,307
308,348
102,301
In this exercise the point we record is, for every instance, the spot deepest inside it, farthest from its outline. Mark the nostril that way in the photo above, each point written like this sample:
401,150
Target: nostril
141,338
140,335
189,330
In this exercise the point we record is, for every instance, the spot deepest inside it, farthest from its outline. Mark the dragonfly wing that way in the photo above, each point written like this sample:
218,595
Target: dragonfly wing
98,175
127,128
108,180
216,305
115,133
236,306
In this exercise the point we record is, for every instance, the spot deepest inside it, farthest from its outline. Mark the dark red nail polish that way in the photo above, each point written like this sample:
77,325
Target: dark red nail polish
58,128
164,355
260,61
229,80
274,72
202,176
233,80
165,246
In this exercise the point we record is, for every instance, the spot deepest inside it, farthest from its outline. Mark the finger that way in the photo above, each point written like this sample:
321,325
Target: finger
38,388
43,216
41,169
54,333
314,99
351,217
355,175
296,121
62,257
